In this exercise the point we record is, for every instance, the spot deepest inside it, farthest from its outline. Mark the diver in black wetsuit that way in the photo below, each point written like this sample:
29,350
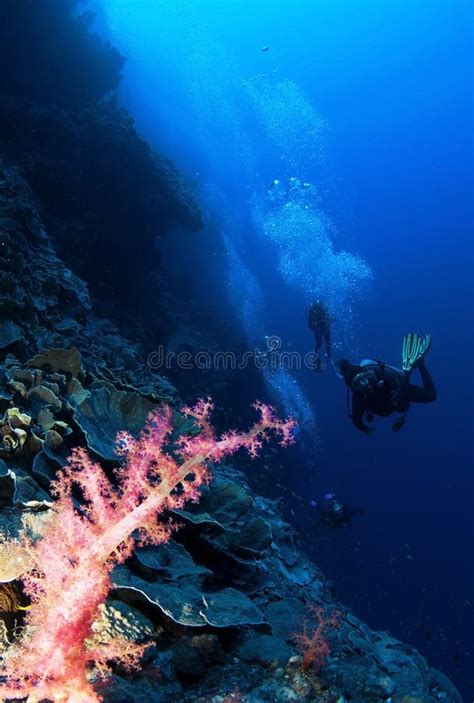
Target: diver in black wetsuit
334,513
319,320
379,389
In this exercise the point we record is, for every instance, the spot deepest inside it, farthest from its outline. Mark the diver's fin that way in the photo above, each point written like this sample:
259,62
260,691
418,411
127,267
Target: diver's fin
414,348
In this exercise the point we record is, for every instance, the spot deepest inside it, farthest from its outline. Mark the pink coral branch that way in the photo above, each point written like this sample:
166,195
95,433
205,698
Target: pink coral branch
313,643
79,549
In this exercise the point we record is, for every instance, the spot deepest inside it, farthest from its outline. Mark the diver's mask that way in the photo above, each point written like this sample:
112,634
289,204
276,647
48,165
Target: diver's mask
366,382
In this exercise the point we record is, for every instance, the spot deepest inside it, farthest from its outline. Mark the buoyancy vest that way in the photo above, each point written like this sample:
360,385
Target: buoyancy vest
387,397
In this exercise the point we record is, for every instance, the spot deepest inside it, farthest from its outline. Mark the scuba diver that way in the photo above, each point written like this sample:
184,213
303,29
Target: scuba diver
319,320
379,389
334,513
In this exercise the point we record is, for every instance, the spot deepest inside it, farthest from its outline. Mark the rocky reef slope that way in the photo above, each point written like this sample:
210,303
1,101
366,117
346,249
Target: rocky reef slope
98,183
69,378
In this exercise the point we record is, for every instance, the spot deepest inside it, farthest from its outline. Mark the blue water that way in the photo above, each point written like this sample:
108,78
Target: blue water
361,110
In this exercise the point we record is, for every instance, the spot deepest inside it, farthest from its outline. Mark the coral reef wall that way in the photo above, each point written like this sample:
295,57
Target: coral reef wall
100,187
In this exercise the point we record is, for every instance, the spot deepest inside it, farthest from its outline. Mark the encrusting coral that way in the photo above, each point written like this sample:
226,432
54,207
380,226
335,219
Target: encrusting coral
80,547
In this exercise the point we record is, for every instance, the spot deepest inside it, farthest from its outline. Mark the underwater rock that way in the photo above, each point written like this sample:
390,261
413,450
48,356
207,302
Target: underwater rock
58,361
264,649
286,617
382,669
75,393
54,447
9,333
157,388
145,687
48,303
46,419
226,521
291,565
43,397
193,655
170,561
186,603
142,193
119,620
16,523
18,489
105,412
441,687
226,502
14,561
230,607
14,431
43,470
35,282
7,485
252,539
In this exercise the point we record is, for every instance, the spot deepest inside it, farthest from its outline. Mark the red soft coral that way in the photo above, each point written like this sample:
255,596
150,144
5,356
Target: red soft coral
80,547
313,642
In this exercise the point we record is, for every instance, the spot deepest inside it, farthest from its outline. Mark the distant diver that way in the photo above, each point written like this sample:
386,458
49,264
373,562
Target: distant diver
380,389
319,321
334,513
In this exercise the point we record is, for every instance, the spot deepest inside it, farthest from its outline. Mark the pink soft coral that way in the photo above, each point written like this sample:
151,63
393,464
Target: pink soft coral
80,547
313,643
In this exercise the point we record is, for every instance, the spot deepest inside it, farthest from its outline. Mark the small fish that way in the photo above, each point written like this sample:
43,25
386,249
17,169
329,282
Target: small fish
265,48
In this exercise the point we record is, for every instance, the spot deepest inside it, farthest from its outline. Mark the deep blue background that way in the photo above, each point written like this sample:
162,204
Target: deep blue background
393,79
